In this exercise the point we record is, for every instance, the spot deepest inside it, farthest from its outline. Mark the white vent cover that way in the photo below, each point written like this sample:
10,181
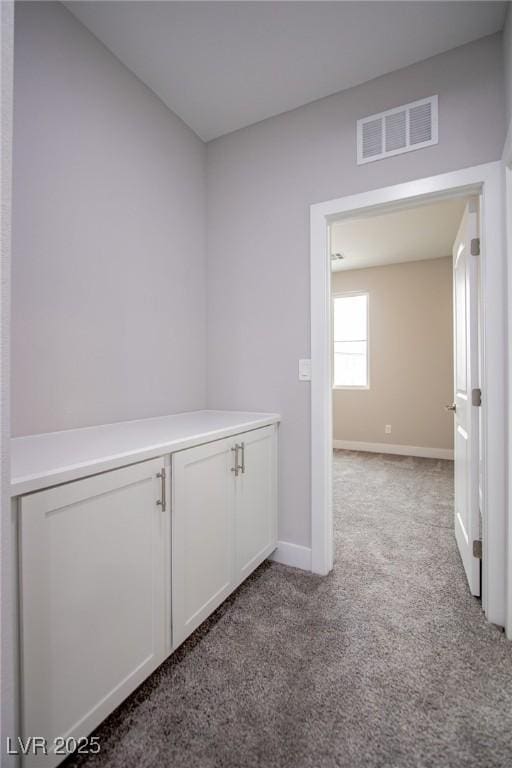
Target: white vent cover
411,126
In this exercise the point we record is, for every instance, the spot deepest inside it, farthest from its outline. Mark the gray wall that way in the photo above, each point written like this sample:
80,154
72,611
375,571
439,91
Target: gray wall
8,639
108,237
261,182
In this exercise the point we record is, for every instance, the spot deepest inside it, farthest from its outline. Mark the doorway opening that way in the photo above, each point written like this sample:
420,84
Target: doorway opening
405,360
485,183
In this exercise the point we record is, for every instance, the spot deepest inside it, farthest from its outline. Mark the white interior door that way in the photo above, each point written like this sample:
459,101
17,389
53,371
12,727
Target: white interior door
466,414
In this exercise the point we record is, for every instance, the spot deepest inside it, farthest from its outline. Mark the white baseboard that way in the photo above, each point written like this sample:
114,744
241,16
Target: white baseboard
399,450
292,554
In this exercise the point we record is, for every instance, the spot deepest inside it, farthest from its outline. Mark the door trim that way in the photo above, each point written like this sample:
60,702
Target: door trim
485,181
507,199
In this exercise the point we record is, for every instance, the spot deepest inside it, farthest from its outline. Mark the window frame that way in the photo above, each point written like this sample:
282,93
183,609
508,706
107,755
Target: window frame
346,295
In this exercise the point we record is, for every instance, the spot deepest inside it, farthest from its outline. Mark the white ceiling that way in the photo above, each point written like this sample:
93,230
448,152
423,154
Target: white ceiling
412,234
224,65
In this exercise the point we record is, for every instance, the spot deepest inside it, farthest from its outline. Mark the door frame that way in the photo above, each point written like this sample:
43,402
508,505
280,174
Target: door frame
507,182
486,182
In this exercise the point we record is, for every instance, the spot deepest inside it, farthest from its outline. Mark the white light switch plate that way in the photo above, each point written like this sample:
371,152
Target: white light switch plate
305,370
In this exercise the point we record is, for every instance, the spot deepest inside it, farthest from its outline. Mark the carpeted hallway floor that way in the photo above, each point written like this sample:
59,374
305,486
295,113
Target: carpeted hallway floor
386,663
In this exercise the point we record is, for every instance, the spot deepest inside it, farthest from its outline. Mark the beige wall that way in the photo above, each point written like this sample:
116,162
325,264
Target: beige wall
411,368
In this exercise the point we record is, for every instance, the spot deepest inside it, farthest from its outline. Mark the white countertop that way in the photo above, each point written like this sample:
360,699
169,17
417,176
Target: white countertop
39,461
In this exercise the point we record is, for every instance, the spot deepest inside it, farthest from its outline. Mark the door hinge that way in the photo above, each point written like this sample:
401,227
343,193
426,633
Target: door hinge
476,396
475,246
477,548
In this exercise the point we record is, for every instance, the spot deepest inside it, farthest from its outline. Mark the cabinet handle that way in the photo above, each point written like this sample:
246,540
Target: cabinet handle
162,502
237,466
242,467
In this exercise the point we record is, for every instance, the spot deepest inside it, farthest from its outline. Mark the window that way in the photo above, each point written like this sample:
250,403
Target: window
350,336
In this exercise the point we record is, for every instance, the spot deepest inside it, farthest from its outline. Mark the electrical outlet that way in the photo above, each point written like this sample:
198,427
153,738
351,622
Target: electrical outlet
387,429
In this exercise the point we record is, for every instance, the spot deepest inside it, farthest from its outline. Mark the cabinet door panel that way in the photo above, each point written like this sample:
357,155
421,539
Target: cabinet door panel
92,598
256,501
202,561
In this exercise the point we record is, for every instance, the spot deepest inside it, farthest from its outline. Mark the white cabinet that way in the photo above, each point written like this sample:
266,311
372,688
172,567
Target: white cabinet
109,564
224,521
94,608
202,534
255,501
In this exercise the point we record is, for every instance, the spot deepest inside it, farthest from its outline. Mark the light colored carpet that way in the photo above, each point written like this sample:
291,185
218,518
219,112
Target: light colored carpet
386,663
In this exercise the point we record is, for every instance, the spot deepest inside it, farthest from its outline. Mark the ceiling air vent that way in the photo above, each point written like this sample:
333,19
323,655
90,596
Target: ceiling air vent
398,130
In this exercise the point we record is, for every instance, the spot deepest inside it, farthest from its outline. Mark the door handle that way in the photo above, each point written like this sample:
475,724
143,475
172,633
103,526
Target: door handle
451,407
162,501
237,466
242,466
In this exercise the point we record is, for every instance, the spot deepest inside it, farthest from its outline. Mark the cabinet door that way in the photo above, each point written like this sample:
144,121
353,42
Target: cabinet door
92,599
256,500
202,541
